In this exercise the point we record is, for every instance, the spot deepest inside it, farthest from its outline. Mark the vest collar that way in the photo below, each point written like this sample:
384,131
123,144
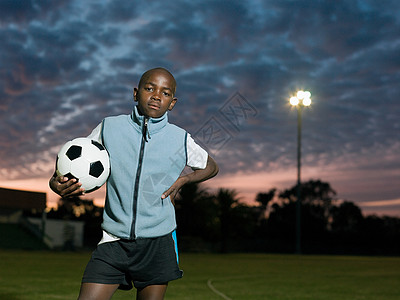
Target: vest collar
153,124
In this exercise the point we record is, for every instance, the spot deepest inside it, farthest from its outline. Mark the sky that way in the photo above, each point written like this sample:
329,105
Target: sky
65,65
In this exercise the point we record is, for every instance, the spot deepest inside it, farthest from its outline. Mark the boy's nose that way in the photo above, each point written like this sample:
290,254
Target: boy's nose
156,95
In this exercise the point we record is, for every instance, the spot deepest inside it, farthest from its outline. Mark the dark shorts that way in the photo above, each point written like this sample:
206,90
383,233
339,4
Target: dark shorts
143,261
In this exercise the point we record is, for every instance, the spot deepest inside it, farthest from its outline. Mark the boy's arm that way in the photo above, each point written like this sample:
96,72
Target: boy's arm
198,175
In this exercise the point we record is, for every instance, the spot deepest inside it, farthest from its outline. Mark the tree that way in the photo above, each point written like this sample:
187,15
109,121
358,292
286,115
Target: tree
265,198
196,216
346,218
226,200
314,192
316,202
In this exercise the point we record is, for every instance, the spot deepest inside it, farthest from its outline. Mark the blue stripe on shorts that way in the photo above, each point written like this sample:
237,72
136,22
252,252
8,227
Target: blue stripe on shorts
176,245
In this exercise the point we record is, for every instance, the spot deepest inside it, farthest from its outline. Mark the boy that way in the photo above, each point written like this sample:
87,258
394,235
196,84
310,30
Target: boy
147,156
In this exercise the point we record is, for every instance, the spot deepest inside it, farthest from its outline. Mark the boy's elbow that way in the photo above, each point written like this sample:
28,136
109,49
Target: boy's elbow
216,170
213,166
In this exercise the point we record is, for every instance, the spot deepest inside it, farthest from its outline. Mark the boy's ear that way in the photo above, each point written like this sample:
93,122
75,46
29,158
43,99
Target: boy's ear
172,104
135,91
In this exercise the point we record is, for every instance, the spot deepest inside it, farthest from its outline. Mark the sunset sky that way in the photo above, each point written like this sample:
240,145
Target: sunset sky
65,65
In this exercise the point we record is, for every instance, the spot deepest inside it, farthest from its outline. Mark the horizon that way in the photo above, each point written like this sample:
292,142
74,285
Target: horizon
380,208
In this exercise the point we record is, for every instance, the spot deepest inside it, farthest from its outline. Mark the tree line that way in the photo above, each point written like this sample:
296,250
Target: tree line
220,222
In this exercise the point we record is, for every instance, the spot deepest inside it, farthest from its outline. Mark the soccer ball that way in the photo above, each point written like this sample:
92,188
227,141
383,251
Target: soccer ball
85,160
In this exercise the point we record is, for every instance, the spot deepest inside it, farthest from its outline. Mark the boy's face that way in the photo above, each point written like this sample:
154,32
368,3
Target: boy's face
155,94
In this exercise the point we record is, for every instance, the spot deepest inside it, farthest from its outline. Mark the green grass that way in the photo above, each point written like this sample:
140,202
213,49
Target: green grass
56,275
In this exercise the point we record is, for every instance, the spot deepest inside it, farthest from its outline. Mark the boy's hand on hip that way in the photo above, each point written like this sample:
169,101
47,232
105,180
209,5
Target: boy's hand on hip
198,175
174,189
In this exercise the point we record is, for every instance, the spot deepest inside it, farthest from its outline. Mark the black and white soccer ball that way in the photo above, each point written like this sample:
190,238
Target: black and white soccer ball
85,160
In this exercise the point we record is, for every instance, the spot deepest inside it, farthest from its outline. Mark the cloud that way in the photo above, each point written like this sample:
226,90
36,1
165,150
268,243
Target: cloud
65,65
382,203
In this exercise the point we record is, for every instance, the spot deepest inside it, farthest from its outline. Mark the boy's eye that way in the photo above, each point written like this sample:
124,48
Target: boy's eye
148,88
166,94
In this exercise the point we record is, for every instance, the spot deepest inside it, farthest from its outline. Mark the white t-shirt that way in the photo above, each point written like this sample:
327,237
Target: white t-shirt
196,158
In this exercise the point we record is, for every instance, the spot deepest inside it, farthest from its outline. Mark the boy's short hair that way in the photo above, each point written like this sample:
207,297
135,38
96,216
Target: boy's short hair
146,74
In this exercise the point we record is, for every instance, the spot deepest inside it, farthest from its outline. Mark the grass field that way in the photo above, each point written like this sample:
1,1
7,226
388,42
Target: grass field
56,275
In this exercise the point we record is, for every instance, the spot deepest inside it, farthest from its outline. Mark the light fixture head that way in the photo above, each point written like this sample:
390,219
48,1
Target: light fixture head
301,98
294,101
300,95
307,101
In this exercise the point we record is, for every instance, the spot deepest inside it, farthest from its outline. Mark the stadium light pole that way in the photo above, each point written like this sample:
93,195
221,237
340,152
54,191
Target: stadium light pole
302,99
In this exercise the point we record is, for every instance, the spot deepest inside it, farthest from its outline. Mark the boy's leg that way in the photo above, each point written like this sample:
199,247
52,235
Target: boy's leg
152,292
97,291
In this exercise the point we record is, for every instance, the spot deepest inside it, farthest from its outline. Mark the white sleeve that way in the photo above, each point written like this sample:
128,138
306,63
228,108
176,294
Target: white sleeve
196,156
96,134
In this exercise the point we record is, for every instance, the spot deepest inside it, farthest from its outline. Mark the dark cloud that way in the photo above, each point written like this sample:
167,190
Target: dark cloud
118,11
22,12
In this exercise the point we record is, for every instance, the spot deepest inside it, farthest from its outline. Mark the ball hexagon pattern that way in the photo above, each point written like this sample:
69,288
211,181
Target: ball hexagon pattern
86,160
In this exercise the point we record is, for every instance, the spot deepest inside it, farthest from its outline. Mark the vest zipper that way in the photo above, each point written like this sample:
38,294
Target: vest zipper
138,171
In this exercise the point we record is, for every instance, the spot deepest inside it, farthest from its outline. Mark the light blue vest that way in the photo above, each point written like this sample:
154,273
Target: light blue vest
144,164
